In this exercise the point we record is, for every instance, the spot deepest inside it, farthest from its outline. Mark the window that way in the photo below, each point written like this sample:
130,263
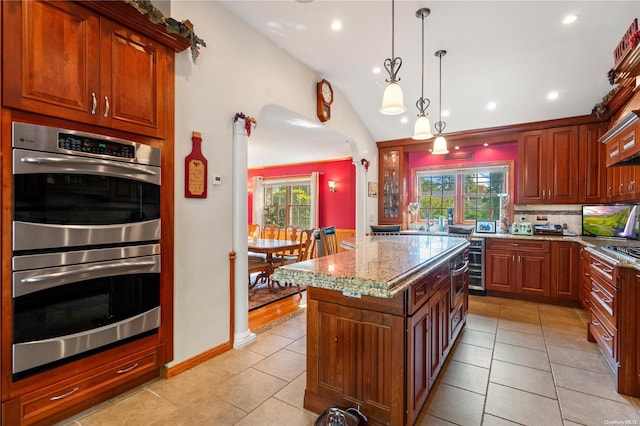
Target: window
469,194
287,203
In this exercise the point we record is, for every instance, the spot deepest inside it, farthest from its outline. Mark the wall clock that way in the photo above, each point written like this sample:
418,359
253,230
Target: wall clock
324,95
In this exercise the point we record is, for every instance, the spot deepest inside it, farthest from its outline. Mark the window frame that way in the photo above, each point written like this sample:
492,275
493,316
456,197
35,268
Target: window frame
287,182
459,170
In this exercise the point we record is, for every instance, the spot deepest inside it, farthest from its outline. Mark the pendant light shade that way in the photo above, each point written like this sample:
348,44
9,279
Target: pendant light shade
440,144
392,100
422,129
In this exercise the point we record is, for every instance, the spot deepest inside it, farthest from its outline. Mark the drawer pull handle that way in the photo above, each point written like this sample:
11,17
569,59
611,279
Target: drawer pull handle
596,323
420,293
64,395
607,338
106,106
607,300
126,370
595,290
515,244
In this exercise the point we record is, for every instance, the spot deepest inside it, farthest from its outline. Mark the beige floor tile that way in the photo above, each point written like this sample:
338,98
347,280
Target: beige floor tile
570,340
489,420
470,354
428,420
274,412
478,338
466,376
268,343
481,323
590,410
455,405
584,360
204,411
523,378
520,326
597,384
522,407
291,329
141,408
522,356
299,346
249,389
516,338
293,393
284,364
479,307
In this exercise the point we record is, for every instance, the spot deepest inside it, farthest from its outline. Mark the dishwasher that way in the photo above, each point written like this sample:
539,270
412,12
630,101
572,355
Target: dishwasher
476,266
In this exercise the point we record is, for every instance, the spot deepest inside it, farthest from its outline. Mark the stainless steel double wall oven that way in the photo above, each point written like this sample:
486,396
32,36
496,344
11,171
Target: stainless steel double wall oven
86,253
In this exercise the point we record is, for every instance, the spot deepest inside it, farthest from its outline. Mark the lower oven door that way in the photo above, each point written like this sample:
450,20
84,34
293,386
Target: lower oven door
67,310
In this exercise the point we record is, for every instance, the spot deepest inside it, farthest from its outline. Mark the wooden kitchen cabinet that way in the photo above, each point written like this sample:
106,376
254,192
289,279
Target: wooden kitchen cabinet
549,166
592,175
62,60
391,189
565,270
518,266
585,281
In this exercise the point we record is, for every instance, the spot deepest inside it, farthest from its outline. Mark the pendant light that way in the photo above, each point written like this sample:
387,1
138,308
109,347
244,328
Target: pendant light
422,129
440,144
392,101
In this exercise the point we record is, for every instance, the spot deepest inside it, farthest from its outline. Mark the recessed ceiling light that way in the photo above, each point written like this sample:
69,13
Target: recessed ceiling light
376,70
485,144
404,120
552,95
569,19
456,147
445,113
491,106
336,25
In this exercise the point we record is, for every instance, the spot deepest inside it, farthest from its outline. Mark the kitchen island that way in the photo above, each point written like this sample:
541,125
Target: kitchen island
381,319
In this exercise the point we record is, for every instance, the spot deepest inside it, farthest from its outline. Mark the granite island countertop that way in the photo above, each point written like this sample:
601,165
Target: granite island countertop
379,266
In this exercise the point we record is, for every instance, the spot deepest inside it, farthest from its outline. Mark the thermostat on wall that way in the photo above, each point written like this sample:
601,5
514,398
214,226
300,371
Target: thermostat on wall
216,180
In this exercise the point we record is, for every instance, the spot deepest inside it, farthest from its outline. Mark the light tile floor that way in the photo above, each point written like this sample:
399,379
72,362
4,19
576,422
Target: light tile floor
515,363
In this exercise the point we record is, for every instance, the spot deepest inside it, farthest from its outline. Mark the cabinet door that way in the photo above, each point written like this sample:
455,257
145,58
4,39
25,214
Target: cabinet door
499,273
561,162
533,273
564,270
592,175
531,178
391,200
419,326
50,58
133,80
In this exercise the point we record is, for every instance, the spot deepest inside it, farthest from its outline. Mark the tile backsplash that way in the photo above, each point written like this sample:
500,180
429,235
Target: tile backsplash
559,214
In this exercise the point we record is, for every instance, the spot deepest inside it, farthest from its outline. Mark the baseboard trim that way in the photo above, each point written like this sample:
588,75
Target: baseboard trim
174,370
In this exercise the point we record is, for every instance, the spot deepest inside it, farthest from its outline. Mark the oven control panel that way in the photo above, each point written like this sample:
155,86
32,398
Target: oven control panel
89,145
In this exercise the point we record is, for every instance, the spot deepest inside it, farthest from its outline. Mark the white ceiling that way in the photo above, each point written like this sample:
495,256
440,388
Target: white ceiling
509,52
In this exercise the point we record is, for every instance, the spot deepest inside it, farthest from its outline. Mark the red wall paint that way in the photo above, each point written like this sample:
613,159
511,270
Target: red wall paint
335,209
481,154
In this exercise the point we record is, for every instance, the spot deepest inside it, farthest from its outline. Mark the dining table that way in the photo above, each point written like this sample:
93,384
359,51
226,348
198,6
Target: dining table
269,247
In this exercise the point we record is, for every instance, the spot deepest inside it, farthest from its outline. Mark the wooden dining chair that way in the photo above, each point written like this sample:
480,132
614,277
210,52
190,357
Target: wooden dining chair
292,232
253,231
271,231
328,243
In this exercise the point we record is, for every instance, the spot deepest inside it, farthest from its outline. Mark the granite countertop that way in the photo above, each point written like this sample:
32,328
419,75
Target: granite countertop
380,266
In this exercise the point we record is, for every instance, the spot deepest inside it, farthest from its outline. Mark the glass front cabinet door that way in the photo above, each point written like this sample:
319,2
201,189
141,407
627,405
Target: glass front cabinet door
391,186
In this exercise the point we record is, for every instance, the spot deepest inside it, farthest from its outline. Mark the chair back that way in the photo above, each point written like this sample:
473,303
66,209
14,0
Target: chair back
292,232
271,231
253,231
385,229
328,243
306,237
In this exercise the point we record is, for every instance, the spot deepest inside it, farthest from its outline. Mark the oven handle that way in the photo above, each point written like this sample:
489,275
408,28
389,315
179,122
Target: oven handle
95,268
87,161
461,270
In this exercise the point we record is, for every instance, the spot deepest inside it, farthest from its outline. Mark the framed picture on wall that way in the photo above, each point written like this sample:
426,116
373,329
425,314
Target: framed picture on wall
373,189
486,226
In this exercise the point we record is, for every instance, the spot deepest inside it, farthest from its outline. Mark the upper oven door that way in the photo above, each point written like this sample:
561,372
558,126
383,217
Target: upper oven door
73,201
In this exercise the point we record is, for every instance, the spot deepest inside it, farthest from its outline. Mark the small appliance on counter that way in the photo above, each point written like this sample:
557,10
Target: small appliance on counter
522,228
548,230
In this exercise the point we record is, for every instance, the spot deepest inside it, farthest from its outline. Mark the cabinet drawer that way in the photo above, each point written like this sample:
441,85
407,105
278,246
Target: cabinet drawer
420,292
41,404
456,320
602,267
517,244
605,337
603,295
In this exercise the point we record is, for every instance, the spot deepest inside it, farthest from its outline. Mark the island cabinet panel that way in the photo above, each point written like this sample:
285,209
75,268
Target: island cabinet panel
355,356
419,381
549,166
64,61
585,280
565,270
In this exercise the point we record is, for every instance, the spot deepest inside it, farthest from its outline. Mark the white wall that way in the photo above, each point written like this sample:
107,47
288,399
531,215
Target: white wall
238,71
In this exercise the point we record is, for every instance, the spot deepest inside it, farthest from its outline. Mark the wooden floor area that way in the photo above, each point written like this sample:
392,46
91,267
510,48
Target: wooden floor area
273,311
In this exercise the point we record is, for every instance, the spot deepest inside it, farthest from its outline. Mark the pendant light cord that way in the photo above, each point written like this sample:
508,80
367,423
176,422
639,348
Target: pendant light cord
393,32
422,80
